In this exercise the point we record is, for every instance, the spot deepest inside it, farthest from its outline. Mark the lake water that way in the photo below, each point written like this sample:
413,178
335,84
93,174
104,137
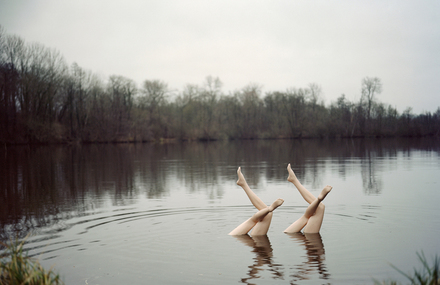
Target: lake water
161,214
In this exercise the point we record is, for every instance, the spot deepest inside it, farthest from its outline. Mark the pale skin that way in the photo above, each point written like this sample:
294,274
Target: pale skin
260,221
312,219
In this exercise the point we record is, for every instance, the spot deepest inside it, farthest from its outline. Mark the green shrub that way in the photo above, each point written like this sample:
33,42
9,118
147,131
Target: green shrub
16,268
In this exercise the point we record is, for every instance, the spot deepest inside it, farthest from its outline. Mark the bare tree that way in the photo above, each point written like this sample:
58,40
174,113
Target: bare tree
371,86
212,88
2,44
315,93
122,91
39,71
152,97
209,95
251,104
187,105
8,91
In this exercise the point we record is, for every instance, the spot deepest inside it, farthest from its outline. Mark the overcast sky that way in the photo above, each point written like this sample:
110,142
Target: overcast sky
276,44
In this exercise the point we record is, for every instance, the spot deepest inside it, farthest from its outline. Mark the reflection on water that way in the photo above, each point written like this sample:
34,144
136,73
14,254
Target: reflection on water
314,260
92,208
263,257
40,186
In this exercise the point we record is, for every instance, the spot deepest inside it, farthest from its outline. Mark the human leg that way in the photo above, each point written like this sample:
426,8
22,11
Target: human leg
309,197
255,200
305,219
262,226
250,223
315,221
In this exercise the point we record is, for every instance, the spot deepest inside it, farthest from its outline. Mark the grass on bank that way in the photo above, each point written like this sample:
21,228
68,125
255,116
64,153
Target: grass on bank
427,275
16,268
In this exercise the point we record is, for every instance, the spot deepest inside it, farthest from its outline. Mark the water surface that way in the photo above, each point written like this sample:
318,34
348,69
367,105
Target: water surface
160,214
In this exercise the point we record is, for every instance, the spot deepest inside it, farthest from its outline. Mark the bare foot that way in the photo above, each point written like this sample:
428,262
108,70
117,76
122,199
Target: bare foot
241,181
276,204
324,192
292,177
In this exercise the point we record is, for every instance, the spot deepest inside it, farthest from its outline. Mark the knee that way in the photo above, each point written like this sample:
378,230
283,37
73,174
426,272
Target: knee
266,218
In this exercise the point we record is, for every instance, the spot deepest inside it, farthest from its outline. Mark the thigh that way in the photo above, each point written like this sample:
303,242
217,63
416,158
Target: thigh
297,226
262,227
314,224
244,228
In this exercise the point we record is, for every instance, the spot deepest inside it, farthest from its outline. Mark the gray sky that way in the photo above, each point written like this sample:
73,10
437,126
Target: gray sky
276,44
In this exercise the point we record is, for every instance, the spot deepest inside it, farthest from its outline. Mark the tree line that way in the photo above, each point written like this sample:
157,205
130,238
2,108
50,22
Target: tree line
43,99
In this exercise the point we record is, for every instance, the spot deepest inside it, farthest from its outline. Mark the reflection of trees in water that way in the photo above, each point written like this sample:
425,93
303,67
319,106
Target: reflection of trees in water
371,181
38,185
148,163
199,168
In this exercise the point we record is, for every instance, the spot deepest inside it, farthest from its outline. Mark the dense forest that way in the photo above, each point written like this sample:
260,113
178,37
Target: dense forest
43,99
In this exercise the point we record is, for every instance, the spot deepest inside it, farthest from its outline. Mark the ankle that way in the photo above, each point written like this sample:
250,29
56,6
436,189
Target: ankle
324,192
275,204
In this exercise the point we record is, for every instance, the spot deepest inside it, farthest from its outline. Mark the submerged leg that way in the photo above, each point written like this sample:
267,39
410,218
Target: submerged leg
262,226
314,223
247,225
305,219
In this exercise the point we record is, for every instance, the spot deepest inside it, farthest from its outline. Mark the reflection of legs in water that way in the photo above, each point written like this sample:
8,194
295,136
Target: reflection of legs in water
315,256
263,250
247,225
312,218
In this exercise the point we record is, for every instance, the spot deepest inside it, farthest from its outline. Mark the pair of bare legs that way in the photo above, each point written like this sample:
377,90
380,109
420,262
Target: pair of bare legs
312,219
260,221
